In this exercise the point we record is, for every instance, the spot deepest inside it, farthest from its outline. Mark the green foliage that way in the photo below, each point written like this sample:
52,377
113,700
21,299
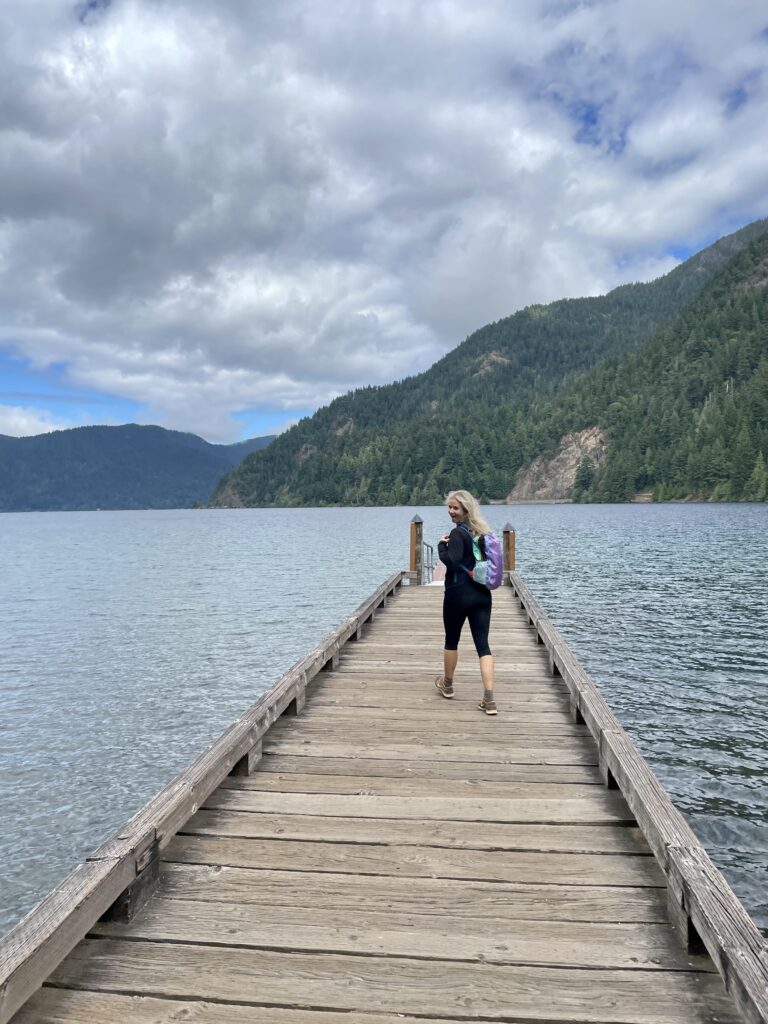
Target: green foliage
673,371
756,488
585,476
687,412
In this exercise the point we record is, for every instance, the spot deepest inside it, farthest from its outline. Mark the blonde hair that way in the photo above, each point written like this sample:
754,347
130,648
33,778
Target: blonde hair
469,503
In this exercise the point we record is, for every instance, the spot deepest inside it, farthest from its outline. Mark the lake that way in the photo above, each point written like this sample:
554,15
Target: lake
131,639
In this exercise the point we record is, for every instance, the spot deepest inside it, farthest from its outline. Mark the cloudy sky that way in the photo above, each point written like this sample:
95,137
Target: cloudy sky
217,216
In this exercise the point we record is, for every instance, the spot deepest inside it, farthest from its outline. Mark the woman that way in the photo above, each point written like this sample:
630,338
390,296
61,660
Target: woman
465,599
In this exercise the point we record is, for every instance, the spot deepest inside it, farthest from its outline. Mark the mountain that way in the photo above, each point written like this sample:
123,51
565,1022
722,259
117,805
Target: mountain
685,415
125,467
477,416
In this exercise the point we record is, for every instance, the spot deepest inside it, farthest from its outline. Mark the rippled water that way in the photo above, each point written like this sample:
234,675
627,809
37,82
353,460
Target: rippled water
130,639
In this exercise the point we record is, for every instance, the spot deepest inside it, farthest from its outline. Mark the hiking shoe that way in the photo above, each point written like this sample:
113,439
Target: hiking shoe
488,705
445,688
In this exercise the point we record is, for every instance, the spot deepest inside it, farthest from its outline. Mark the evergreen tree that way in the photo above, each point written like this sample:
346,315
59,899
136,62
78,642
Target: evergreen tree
585,476
756,488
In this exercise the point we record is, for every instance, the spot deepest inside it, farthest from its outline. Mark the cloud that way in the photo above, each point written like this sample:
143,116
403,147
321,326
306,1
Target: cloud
213,207
18,421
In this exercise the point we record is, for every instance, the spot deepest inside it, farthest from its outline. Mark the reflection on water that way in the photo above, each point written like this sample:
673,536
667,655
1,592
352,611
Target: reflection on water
132,638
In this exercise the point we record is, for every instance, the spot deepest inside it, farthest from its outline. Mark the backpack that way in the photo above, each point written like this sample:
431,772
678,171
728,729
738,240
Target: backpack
489,569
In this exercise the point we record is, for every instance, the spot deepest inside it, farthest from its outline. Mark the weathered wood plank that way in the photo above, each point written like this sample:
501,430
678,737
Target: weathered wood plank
455,834
365,984
367,767
603,808
463,789
380,644
572,754
68,1006
417,861
443,937
369,695
339,714
400,687
600,808
409,631
384,893
429,667
505,727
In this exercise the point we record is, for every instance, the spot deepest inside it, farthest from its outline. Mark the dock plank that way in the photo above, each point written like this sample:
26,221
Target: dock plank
367,767
422,895
416,861
297,782
382,984
62,1006
368,692
562,753
502,728
583,810
394,712
424,937
452,834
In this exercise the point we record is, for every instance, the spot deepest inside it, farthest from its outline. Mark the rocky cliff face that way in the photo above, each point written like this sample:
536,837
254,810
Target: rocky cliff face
226,497
553,479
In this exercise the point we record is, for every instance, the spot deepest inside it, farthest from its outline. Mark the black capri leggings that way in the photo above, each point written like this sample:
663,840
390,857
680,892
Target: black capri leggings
467,601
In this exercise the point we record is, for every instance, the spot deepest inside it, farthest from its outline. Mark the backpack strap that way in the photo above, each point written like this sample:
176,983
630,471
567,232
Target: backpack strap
463,526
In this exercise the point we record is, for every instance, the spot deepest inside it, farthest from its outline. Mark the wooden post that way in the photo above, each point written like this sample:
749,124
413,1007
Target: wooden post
509,552
248,762
297,704
131,900
417,550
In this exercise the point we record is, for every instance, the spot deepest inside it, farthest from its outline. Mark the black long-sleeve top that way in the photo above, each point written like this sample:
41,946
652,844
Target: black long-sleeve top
454,553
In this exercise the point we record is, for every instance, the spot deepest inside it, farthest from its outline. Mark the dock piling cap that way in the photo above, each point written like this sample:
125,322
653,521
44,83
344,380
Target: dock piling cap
417,519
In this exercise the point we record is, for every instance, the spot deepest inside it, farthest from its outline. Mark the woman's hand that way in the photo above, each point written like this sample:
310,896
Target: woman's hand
445,539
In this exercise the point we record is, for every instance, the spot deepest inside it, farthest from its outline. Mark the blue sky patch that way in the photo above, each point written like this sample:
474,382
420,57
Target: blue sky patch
737,97
735,100
258,422
90,10
684,251
592,121
49,391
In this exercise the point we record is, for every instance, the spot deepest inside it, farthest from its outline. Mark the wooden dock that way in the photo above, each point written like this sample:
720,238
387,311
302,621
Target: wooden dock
387,856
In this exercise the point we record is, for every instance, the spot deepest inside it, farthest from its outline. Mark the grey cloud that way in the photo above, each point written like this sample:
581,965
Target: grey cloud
211,207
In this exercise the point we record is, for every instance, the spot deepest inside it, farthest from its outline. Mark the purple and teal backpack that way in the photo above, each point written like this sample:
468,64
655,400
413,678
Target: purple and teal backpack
489,568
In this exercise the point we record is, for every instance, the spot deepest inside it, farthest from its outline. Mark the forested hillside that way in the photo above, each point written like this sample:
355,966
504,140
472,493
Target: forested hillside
686,414
112,467
503,397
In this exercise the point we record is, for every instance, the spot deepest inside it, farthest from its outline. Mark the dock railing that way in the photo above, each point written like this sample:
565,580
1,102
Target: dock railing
118,877
705,911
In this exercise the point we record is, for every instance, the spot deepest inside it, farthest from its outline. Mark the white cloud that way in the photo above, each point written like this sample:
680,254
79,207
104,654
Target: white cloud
208,207
17,421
